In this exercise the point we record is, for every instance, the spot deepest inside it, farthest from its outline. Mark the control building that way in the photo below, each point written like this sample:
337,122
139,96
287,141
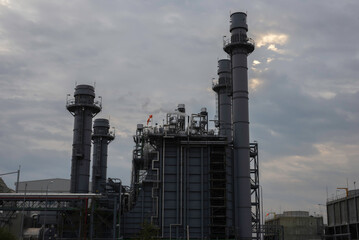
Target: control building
343,216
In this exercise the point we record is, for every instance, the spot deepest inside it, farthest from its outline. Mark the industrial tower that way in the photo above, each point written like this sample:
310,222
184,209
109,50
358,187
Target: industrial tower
101,137
239,47
83,107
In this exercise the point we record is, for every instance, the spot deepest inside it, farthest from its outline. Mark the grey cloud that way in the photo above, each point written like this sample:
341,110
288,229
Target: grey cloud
148,56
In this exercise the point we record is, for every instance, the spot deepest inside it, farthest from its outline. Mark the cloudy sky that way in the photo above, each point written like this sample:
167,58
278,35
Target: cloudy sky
145,57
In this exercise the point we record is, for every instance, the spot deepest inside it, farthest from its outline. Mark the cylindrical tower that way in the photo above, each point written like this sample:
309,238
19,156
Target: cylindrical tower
239,47
101,137
224,95
224,92
83,108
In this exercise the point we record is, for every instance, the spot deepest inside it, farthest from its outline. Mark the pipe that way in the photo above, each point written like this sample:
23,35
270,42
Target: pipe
91,219
163,186
119,214
202,223
157,180
114,217
181,194
17,180
85,219
23,212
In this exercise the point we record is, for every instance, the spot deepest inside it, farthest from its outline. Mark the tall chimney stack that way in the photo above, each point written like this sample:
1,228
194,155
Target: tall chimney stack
83,108
239,47
101,137
223,88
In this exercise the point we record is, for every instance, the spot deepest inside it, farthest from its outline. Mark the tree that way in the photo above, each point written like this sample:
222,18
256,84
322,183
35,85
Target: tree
148,231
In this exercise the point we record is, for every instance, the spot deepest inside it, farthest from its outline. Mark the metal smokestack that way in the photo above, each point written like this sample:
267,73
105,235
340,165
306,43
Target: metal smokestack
239,48
224,95
101,137
224,91
83,108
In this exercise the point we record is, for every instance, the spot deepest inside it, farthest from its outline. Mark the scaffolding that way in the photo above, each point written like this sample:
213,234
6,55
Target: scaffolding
75,216
255,191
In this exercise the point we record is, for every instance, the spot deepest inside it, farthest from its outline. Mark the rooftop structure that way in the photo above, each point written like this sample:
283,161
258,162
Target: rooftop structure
296,225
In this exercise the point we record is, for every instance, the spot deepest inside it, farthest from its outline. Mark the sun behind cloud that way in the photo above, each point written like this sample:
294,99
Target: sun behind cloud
272,40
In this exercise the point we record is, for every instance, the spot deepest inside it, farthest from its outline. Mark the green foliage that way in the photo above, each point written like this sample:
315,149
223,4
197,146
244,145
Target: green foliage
6,235
148,231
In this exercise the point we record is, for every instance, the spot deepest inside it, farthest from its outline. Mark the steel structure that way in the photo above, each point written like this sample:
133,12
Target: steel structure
179,179
70,211
101,137
255,191
83,107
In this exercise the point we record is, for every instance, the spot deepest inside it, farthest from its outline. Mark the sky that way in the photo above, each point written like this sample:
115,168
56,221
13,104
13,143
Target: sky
145,57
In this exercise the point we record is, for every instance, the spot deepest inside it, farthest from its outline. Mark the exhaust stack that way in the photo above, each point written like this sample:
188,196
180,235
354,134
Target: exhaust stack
83,108
223,88
239,47
101,137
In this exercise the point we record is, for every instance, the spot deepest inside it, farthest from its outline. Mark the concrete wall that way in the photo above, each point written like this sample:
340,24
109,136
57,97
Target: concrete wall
343,216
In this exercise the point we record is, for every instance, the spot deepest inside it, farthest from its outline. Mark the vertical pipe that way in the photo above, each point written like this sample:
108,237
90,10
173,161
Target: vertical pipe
18,179
163,186
114,217
178,189
202,212
85,219
80,225
91,219
23,212
239,48
119,212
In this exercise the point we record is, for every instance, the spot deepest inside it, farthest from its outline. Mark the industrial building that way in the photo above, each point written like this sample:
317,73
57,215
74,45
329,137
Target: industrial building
52,185
343,216
187,181
294,225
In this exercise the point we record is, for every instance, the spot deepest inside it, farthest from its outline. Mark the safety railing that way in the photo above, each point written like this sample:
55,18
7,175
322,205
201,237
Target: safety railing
71,102
249,41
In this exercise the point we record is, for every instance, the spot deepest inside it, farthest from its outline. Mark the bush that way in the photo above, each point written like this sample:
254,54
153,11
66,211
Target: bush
148,231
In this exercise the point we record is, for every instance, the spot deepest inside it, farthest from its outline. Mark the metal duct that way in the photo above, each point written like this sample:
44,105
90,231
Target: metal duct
83,108
239,47
101,137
